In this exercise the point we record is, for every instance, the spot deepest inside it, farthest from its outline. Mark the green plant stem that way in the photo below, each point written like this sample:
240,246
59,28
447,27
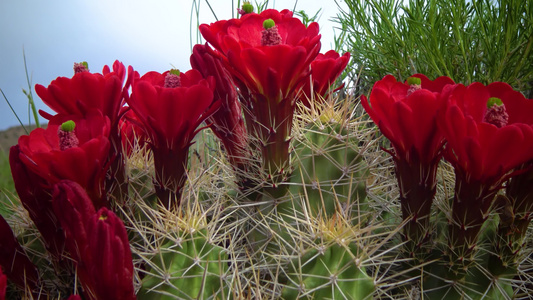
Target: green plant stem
11,107
29,93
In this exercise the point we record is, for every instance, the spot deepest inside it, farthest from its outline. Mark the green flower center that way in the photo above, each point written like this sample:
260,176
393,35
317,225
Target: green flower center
67,137
68,126
496,113
270,35
494,101
414,83
414,80
247,7
268,23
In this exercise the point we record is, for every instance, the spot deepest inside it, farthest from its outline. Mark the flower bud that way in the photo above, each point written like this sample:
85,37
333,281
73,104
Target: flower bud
17,266
112,265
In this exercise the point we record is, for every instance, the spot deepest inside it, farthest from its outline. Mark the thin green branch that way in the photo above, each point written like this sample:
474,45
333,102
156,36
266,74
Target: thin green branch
29,93
14,113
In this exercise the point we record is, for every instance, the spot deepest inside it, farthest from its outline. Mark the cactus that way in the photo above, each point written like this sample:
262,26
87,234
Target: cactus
187,266
329,169
328,272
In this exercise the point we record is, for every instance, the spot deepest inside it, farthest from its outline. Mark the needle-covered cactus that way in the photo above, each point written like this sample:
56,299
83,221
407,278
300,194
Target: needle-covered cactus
329,170
188,266
329,271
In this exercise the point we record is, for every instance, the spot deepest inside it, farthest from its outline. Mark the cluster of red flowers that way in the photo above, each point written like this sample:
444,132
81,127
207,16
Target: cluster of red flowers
274,60
60,174
485,132
71,175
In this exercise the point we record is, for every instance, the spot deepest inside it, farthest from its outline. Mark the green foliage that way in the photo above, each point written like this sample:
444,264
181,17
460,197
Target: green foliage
483,41
307,19
29,95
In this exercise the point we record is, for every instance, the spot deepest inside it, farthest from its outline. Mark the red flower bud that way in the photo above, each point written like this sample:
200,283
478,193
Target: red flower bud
112,266
73,208
97,242
227,123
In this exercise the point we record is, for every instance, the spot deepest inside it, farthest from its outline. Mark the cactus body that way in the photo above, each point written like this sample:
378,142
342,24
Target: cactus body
329,171
328,272
188,269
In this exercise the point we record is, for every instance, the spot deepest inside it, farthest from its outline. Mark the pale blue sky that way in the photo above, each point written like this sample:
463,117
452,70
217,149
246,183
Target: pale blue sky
149,35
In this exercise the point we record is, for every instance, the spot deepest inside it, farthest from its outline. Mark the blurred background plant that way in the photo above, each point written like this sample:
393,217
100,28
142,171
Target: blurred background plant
468,41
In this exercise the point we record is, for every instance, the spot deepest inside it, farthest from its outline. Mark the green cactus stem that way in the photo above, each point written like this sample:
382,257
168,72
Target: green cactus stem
330,171
328,272
514,211
187,268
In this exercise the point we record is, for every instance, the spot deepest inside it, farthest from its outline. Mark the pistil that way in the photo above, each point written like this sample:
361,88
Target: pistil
415,84
81,67
67,137
496,113
172,79
270,35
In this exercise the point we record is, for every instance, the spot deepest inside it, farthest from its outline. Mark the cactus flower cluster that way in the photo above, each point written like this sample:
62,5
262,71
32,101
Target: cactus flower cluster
287,192
486,134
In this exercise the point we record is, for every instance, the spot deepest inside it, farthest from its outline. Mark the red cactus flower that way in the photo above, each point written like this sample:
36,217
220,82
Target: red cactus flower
406,114
489,130
227,123
269,54
171,107
266,68
325,69
16,265
85,91
78,154
106,92
98,244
